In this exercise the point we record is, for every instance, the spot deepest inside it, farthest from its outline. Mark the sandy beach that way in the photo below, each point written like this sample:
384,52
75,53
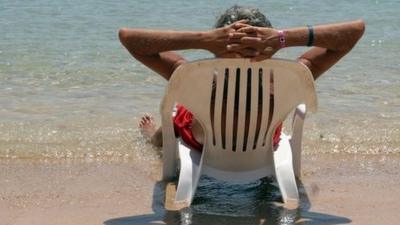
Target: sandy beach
335,189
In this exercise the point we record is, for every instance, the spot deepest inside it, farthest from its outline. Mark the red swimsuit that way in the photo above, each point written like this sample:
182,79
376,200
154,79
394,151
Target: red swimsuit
183,127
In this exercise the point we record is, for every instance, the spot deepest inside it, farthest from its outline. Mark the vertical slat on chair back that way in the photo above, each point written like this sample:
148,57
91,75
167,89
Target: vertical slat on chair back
241,112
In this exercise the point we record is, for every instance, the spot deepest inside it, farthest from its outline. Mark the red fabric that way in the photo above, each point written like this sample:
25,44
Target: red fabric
277,135
183,127
183,121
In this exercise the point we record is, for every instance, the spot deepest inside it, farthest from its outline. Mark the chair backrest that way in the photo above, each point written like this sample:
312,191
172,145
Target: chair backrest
239,104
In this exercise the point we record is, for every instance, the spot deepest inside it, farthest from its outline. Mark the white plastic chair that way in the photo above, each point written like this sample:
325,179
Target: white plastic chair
250,155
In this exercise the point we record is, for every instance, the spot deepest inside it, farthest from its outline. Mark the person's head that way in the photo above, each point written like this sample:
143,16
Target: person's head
236,13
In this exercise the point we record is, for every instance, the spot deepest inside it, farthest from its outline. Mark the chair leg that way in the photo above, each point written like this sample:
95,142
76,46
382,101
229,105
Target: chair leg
284,172
295,141
189,175
169,140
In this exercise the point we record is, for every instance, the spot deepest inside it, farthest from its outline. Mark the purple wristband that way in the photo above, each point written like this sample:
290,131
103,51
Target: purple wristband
282,39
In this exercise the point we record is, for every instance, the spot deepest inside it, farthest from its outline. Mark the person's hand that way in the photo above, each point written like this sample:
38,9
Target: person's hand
265,41
218,39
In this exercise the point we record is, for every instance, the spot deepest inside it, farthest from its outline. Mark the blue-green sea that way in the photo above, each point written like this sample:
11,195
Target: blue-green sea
69,90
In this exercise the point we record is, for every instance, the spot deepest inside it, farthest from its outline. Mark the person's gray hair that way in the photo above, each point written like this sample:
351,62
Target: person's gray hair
236,13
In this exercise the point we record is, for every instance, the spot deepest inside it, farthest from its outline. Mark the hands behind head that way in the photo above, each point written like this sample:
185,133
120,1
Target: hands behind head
241,40
263,40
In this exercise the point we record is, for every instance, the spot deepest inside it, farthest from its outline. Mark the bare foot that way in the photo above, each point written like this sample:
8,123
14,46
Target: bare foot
147,126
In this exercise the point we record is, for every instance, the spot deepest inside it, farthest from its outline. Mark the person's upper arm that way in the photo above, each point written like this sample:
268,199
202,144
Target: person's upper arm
319,60
163,63
334,41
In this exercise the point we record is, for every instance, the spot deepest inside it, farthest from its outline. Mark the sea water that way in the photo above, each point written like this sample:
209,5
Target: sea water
68,89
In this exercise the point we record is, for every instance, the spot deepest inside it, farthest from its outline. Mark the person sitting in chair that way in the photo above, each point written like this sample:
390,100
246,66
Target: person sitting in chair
241,32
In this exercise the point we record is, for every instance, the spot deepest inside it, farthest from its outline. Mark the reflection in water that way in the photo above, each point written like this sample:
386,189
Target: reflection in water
226,198
225,203
218,202
234,199
280,216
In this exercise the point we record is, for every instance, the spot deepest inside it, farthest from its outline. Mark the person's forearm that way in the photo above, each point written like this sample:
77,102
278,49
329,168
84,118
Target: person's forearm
156,48
335,37
150,42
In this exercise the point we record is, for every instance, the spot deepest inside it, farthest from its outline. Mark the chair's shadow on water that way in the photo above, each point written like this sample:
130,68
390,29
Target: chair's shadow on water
220,203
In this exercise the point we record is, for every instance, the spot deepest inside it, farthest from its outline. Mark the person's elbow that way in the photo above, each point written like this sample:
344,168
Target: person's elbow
123,36
359,28
353,35
128,38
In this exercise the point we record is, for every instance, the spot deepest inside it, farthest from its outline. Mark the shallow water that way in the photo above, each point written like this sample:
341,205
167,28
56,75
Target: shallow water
68,88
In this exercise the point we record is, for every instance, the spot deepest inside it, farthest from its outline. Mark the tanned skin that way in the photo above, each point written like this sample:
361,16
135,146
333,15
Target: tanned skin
157,48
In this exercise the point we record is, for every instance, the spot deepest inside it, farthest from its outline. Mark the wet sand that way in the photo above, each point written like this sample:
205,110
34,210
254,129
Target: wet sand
336,189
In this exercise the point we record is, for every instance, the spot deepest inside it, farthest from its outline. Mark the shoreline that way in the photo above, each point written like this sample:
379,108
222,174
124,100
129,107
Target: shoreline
336,189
